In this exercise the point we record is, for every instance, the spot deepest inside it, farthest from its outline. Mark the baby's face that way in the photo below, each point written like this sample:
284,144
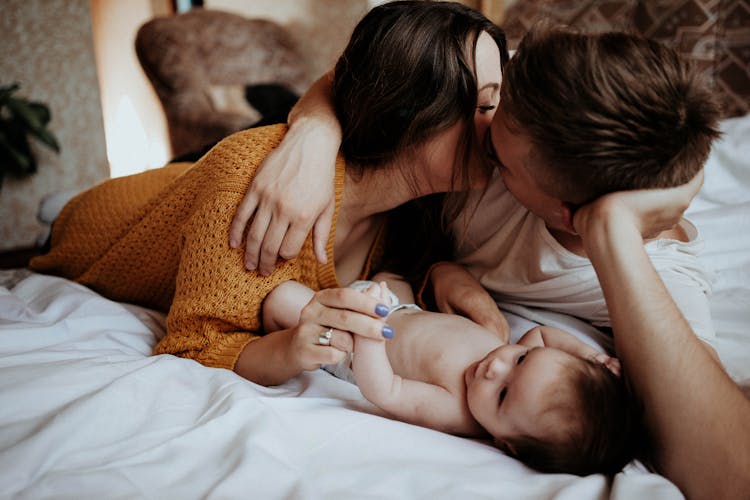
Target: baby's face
508,390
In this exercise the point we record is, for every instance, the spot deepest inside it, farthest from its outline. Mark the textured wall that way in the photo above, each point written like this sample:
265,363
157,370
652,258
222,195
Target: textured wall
47,47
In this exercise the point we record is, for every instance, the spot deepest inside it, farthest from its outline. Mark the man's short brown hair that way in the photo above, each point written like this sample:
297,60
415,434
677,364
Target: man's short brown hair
607,112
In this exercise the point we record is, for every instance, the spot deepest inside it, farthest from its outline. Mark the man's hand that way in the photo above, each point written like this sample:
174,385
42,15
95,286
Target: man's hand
458,292
291,192
650,211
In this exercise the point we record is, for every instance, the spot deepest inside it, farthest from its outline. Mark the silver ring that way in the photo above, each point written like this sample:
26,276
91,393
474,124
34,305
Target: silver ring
325,337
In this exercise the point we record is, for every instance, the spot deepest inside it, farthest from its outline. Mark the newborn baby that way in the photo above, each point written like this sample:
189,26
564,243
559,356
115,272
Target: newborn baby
551,400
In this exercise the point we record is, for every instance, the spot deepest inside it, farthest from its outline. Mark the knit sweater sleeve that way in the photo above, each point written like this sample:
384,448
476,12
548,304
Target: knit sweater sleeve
216,308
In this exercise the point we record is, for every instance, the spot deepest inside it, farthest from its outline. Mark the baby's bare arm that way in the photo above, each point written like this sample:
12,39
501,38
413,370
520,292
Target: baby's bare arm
549,336
410,401
282,307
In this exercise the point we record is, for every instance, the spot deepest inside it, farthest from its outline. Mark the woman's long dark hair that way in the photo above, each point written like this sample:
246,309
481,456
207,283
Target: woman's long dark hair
407,74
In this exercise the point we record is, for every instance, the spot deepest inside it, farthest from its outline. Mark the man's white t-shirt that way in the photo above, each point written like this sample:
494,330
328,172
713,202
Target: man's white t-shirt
513,255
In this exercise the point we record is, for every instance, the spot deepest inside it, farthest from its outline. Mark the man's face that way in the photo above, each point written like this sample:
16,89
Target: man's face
511,153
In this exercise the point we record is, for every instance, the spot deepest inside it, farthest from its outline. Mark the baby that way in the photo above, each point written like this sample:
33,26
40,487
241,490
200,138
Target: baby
550,400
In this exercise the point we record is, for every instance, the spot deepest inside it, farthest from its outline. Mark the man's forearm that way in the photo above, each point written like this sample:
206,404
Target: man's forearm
316,104
700,418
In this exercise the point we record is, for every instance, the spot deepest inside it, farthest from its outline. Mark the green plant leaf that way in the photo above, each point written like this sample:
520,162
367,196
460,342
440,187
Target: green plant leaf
42,111
19,120
33,119
7,91
16,157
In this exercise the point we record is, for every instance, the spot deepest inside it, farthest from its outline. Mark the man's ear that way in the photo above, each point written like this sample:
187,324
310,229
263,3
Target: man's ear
567,212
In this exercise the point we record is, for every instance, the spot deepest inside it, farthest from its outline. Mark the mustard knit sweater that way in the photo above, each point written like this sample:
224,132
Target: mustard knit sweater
161,239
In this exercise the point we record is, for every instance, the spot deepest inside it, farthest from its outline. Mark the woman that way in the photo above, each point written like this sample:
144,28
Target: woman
160,238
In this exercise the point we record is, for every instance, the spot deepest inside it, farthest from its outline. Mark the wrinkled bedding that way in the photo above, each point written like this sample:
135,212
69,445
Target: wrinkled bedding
86,412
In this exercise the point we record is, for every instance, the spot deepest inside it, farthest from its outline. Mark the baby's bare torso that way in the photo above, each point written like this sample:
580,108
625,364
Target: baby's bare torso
437,348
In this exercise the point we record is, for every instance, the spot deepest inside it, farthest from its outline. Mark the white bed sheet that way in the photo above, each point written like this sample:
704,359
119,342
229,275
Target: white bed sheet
85,412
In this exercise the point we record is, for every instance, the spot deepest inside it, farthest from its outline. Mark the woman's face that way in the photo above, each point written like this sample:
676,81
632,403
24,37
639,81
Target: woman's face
489,77
440,151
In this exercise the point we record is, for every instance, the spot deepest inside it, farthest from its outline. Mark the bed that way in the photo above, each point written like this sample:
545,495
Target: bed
86,412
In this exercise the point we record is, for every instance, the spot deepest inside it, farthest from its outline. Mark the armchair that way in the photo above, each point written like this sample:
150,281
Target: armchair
201,61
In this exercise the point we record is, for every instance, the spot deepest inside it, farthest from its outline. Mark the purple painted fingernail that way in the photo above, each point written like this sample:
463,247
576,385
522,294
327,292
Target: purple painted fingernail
382,310
388,332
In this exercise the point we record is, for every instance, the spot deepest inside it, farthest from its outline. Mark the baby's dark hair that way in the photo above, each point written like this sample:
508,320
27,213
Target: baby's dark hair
605,429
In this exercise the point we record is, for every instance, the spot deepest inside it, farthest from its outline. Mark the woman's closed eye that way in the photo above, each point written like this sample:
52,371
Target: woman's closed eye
486,108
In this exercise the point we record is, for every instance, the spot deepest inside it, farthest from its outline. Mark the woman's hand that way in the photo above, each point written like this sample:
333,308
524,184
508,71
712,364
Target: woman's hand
323,335
346,312
458,292
650,211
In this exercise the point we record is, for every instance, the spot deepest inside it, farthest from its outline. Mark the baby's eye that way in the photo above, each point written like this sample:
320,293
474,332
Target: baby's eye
521,358
503,393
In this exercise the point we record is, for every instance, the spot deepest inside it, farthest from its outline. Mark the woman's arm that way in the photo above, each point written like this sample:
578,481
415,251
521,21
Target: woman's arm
698,415
292,191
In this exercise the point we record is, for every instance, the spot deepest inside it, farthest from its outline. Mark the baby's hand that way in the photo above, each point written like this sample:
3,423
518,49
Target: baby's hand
381,292
612,363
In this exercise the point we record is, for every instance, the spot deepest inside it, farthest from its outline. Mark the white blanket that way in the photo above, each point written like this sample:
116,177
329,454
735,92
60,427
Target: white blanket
85,412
